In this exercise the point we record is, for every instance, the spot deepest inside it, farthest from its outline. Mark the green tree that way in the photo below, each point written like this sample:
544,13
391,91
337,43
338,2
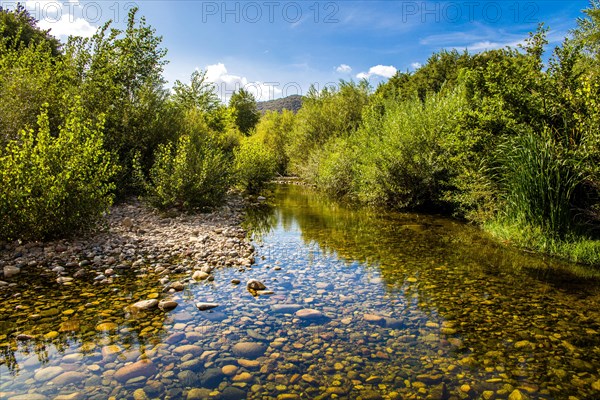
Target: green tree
331,113
273,131
199,94
120,73
19,29
246,114
587,32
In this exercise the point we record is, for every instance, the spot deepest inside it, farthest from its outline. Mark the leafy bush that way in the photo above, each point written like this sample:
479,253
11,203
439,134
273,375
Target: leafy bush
192,173
333,166
54,186
255,164
324,115
405,162
274,131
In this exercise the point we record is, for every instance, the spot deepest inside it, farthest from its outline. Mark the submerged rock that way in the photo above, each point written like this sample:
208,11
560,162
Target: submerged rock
249,350
143,368
309,314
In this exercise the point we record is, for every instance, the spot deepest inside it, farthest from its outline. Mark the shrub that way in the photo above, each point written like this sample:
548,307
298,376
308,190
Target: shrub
54,186
333,166
255,165
192,173
404,162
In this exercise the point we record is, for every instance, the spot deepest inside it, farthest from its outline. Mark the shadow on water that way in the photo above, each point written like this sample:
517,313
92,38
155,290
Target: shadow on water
508,313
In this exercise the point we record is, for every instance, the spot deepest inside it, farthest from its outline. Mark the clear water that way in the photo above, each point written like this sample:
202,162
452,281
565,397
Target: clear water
407,306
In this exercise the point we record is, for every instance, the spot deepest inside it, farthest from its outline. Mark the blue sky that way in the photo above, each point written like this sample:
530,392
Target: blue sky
277,48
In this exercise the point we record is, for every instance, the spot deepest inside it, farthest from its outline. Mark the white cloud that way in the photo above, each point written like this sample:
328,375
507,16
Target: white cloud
415,65
227,83
67,26
60,19
344,68
386,71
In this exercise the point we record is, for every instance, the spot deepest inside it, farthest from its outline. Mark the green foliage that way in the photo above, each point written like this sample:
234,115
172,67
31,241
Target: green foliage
255,164
55,186
18,29
244,107
442,70
274,130
192,173
539,182
120,72
405,161
334,167
199,94
334,112
587,32
30,77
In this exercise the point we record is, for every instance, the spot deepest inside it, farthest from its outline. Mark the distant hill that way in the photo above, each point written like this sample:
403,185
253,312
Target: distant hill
292,103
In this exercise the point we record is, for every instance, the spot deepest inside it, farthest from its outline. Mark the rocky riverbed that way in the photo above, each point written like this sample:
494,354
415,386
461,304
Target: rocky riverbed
329,304
137,238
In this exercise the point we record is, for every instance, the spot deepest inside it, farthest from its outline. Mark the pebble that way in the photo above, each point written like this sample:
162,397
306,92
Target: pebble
249,350
309,314
143,368
144,305
206,306
254,284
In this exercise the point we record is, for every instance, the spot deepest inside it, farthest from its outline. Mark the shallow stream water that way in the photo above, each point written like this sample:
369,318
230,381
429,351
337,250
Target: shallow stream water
364,305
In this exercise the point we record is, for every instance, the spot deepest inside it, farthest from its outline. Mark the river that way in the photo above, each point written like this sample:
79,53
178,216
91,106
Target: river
358,304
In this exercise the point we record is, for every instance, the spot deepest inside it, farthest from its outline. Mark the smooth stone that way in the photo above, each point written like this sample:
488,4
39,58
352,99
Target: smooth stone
10,271
188,349
45,374
249,350
309,314
28,396
394,323
139,394
229,370
143,368
206,306
516,395
233,393
198,394
211,378
374,319
200,276
250,364
524,344
145,305
243,377
235,281
167,305
69,377
72,396
254,284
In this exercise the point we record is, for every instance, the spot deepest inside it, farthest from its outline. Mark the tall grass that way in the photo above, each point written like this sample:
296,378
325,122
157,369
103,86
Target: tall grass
539,180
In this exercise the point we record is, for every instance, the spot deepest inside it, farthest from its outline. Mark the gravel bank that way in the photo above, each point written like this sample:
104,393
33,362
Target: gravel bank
136,237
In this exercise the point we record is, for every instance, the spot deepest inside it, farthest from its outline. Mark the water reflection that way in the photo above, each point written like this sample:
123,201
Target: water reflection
364,305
